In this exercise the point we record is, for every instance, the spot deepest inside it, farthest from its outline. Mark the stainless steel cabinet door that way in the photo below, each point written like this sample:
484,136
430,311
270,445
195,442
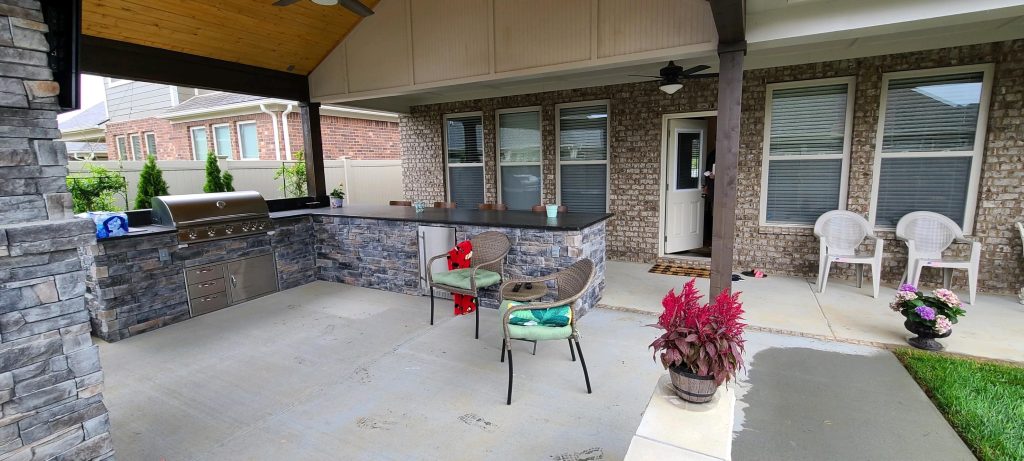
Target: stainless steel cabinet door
251,277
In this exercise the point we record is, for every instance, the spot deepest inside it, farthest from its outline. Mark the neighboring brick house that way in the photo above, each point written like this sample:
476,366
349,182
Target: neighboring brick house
83,133
617,132
179,123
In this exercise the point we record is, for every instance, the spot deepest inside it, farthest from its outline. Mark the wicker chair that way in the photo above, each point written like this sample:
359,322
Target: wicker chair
927,235
487,268
400,203
570,285
493,206
840,233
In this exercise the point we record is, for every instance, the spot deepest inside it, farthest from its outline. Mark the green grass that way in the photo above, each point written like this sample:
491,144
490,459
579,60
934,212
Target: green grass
984,402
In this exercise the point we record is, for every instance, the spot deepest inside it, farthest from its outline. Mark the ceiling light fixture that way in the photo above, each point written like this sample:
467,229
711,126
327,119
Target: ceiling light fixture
326,2
670,87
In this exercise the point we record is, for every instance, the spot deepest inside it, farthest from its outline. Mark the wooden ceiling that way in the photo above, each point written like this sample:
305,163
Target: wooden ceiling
252,32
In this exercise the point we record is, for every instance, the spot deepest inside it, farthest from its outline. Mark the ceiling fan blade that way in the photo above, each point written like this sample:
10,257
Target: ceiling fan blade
695,69
356,7
284,2
694,77
648,76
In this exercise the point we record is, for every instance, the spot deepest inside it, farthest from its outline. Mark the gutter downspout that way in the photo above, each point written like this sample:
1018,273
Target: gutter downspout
287,139
277,139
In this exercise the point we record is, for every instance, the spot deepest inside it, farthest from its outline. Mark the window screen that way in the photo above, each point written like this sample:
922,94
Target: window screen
122,148
465,153
136,142
151,143
583,157
519,150
922,184
199,149
806,151
222,141
247,139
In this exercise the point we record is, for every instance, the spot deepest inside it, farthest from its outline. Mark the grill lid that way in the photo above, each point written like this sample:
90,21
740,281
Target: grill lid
192,209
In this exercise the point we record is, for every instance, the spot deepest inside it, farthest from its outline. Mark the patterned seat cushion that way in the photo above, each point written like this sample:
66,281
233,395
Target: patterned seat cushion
535,332
460,278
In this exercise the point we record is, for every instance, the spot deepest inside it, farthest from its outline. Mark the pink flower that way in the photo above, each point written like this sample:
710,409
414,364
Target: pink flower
948,297
942,324
902,297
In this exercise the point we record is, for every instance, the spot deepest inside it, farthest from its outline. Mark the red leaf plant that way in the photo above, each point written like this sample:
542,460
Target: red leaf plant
705,339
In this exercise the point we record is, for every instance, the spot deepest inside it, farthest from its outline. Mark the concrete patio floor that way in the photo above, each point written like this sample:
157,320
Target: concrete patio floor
993,327
330,371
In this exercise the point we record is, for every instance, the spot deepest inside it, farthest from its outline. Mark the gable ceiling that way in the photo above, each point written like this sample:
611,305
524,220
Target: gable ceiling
293,39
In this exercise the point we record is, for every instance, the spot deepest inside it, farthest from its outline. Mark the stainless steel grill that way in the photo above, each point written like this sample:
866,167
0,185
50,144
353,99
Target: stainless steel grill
203,217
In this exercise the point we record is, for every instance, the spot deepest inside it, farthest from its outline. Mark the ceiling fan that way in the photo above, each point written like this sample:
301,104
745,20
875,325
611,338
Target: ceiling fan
672,76
352,5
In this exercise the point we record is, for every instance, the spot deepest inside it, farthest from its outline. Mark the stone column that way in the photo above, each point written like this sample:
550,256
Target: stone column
51,403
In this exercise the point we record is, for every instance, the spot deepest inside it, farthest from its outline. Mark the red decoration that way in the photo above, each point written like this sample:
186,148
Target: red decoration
459,258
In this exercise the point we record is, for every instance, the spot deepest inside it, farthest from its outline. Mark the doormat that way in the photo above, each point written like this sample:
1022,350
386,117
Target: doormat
675,269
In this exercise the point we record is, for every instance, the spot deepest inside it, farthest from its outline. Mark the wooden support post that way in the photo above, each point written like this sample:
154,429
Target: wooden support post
727,144
314,156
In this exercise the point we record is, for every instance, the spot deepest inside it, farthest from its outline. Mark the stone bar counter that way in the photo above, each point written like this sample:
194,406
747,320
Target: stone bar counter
136,282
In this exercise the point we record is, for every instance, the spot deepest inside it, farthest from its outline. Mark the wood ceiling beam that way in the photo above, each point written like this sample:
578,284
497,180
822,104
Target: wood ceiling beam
112,58
730,21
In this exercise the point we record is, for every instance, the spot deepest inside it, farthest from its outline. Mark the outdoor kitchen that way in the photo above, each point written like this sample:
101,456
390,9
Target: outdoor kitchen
206,252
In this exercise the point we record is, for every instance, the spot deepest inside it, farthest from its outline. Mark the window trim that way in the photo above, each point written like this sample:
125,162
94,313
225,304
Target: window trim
131,145
192,138
976,154
112,82
241,150
844,172
145,136
483,153
122,154
216,150
607,162
497,146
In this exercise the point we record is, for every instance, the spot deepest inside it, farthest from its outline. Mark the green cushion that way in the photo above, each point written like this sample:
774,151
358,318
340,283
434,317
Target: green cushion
459,278
534,333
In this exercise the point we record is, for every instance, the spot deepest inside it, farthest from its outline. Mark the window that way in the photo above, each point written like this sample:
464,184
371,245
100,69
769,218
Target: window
199,149
222,141
806,150
122,147
582,137
519,158
151,143
136,141
464,153
931,132
248,145
117,81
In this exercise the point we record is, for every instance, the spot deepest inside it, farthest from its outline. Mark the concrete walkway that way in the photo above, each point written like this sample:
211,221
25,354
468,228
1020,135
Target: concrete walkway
993,327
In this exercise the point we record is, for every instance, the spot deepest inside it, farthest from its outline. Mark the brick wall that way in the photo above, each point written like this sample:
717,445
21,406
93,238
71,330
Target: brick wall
357,139
635,144
51,383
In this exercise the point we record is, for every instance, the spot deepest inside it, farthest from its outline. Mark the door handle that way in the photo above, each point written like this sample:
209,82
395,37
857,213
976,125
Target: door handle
207,284
234,282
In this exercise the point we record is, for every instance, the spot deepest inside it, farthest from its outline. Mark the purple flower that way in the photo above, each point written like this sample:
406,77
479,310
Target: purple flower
925,312
908,287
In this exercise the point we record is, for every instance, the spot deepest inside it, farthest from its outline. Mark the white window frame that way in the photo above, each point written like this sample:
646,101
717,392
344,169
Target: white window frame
145,136
976,154
216,149
192,138
131,145
112,82
608,148
241,151
844,183
483,155
497,145
121,144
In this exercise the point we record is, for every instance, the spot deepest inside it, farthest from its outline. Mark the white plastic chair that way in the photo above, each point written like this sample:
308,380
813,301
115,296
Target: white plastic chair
927,235
840,233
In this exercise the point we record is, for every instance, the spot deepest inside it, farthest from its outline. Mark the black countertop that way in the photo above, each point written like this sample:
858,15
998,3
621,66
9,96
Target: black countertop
521,219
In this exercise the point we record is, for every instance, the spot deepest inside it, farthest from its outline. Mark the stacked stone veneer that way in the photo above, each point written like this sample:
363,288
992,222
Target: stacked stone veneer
51,401
384,254
636,112
137,283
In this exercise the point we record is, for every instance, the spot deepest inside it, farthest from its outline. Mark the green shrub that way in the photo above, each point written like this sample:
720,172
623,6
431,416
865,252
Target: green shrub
294,177
227,180
151,184
96,190
214,180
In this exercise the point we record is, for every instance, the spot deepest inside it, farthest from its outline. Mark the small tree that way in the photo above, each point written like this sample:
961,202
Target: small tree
294,177
228,181
214,180
151,184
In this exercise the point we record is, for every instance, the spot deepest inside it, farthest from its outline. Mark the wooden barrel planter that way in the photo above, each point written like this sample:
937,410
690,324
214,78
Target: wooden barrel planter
691,387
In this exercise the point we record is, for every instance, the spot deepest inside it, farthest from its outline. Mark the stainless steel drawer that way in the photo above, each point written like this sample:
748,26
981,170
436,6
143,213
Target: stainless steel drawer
205,288
208,303
204,273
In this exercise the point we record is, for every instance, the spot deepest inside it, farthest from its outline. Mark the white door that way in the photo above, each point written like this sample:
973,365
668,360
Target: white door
684,207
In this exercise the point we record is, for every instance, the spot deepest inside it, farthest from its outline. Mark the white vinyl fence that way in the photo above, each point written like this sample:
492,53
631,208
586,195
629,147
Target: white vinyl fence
367,182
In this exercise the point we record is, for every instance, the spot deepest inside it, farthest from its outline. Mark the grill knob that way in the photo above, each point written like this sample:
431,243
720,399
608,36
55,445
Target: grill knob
229,229
263,224
211,231
192,234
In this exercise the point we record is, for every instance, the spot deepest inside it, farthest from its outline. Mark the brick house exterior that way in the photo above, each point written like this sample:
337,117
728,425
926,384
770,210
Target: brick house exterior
635,137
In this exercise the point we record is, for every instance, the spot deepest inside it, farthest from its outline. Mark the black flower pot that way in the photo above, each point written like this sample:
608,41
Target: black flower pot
692,387
925,336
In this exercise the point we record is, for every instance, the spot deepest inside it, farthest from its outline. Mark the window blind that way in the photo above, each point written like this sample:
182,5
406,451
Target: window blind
583,133
151,143
932,114
122,148
465,140
584,187
519,137
805,121
801,191
937,184
466,185
136,147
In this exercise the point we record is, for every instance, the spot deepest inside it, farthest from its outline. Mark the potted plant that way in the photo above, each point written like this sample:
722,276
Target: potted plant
928,317
702,344
338,196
